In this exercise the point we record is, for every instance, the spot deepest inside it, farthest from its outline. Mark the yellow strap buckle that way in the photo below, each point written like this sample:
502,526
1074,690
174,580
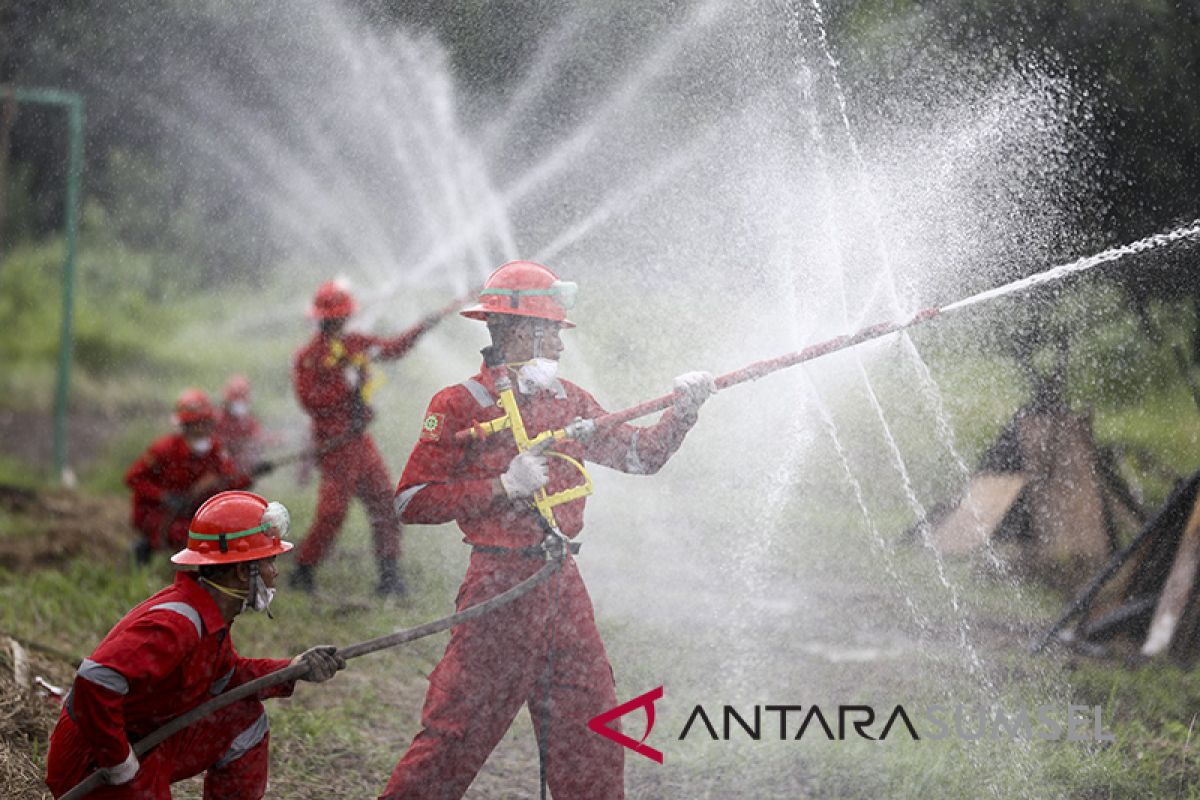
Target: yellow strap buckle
543,502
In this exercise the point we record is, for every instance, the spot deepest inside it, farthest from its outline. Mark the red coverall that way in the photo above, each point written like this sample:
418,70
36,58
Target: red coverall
241,437
494,665
170,467
350,464
167,656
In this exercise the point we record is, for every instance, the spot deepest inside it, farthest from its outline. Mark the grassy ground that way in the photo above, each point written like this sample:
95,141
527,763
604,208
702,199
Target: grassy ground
746,573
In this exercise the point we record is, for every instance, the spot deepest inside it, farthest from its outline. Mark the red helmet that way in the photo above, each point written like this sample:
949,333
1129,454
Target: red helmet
235,526
193,405
332,301
525,289
237,388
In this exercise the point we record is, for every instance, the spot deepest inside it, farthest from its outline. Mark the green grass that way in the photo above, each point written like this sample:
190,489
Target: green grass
15,472
347,734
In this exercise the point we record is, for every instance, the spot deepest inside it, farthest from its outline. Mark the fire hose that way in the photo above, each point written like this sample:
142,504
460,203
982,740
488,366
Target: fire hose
296,671
313,452
581,428
760,368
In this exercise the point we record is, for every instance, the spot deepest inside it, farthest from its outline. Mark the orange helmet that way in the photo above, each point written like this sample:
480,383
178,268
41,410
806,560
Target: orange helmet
525,289
237,388
235,526
193,405
332,301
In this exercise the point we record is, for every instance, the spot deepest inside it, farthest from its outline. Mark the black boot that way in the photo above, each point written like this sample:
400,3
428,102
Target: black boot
390,582
303,579
141,553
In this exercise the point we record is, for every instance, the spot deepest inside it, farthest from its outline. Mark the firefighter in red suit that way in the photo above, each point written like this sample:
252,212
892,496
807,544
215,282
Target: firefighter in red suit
333,382
542,650
237,428
173,652
177,473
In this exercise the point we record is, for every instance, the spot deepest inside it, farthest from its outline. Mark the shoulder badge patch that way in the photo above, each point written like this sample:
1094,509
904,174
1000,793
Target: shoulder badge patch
431,429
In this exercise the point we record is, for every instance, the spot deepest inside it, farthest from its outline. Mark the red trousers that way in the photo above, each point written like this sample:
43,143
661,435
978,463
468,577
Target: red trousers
353,470
231,744
543,647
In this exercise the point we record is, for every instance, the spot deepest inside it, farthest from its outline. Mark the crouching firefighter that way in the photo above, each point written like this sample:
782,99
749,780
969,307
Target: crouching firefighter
177,473
543,650
239,429
173,652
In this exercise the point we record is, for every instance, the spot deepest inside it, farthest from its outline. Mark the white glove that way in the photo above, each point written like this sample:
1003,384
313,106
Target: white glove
526,473
123,772
352,377
691,390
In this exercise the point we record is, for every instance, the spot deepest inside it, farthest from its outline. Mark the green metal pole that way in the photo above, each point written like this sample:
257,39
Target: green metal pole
73,103
67,337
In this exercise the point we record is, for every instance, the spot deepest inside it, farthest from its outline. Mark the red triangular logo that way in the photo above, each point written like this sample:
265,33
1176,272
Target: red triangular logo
599,724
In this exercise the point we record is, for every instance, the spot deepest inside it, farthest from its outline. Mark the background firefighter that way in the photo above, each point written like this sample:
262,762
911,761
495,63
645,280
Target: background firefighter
176,474
544,649
238,429
332,378
171,653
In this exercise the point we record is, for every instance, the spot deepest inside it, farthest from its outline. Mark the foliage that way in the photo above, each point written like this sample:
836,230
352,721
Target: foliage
115,315
1137,58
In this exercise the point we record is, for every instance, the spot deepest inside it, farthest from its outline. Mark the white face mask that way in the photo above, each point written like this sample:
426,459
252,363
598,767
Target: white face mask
537,374
200,446
263,596
259,596
239,408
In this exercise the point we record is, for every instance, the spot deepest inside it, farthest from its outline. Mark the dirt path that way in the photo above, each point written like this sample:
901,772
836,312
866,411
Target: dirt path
50,527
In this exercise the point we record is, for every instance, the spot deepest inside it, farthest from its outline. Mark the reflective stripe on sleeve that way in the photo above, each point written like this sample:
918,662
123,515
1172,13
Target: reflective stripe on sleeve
220,683
245,741
633,464
103,676
404,498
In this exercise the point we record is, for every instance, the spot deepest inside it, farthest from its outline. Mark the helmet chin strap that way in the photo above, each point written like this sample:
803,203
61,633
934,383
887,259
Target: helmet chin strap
244,595
236,594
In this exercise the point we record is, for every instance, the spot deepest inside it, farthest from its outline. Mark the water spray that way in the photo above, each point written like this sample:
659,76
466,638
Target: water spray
759,369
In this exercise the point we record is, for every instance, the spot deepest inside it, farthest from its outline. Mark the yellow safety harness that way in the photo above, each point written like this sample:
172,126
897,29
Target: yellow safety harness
338,356
542,501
